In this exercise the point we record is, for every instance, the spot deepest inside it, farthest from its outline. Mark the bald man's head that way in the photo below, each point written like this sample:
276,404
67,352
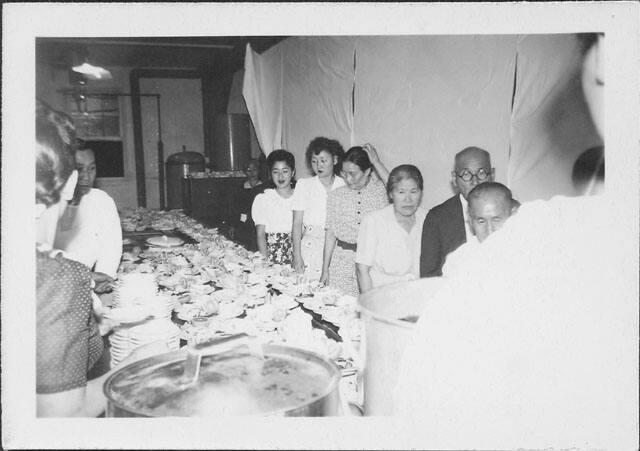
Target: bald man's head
490,205
472,167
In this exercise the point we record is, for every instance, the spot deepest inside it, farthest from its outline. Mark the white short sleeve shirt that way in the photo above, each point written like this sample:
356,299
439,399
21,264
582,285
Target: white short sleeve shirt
383,244
90,232
272,211
311,197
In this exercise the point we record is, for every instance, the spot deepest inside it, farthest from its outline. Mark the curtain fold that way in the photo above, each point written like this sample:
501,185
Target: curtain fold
262,91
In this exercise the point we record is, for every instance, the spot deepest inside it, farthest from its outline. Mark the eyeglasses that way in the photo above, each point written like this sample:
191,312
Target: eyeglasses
481,175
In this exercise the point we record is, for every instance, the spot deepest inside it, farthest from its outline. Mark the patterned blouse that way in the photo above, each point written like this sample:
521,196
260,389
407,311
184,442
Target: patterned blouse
346,208
68,342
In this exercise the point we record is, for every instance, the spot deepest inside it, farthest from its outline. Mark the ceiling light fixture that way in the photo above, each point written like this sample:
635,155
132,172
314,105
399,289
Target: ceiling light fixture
92,72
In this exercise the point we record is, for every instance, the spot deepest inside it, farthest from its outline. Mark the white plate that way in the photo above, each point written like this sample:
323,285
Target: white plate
231,313
164,241
127,314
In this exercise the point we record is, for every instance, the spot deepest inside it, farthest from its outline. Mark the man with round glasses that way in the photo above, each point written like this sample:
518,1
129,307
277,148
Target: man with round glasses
446,226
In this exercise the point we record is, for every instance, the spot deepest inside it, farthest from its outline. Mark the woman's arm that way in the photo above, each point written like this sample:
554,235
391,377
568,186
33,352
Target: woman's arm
329,246
296,241
380,168
262,240
109,236
89,401
260,218
364,278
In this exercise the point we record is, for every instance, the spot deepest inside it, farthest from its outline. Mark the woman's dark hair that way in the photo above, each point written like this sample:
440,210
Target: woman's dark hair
54,154
588,166
358,156
332,146
281,155
587,40
404,172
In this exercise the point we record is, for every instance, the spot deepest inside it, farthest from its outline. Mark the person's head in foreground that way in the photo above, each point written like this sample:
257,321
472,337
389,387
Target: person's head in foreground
282,168
55,172
588,171
54,162
490,205
356,168
472,167
323,156
404,188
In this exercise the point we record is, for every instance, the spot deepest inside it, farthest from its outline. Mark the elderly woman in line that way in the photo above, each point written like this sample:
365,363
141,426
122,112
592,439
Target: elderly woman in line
310,205
389,239
68,342
346,207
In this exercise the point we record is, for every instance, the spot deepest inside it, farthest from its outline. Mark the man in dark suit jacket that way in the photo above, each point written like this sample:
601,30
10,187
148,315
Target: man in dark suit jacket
445,227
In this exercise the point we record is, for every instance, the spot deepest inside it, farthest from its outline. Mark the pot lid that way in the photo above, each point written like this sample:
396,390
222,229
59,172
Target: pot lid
232,383
185,157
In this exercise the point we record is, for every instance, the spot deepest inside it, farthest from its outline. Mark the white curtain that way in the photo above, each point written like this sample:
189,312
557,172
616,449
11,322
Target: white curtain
318,80
299,90
262,91
421,99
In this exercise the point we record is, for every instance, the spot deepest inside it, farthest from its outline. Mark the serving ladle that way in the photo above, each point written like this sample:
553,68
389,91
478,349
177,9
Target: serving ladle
195,353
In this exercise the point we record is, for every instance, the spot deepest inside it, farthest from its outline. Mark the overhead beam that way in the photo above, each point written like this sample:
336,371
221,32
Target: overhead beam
140,43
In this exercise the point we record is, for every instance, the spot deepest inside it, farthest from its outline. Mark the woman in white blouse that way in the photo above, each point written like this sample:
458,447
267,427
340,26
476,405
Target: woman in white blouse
310,205
389,239
271,210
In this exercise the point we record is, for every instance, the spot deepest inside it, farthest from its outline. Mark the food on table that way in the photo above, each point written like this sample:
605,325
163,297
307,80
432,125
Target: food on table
222,280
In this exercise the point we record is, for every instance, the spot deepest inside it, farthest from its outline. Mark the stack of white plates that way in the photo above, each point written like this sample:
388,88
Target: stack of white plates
134,289
156,330
120,346
136,299
125,340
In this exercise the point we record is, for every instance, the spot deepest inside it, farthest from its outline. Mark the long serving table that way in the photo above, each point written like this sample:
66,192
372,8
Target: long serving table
237,291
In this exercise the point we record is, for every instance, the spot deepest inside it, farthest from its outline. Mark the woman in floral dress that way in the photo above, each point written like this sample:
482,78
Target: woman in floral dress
272,209
346,206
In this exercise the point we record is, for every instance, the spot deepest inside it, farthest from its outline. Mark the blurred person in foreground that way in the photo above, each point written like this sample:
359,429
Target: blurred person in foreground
533,343
588,172
68,343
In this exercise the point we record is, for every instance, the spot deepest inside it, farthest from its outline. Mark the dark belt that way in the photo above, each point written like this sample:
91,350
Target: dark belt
347,246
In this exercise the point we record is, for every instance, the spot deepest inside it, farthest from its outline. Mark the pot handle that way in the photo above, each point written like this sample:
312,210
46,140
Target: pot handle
195,352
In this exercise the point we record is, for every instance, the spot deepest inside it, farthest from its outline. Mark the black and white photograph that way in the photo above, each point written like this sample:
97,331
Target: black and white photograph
320,225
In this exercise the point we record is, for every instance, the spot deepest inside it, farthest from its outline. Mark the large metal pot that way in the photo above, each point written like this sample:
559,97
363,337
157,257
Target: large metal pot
389,313
286,382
